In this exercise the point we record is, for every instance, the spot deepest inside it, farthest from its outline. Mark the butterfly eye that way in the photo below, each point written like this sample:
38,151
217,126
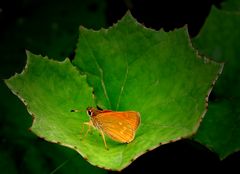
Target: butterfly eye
89,112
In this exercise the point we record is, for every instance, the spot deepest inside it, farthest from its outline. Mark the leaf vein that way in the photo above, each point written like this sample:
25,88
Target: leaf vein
100,71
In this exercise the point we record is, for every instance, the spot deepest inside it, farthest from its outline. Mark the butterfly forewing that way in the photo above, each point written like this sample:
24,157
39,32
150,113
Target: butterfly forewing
120,126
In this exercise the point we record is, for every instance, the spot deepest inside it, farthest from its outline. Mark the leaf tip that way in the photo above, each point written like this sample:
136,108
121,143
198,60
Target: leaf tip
28,53
81,28
128,13
128,17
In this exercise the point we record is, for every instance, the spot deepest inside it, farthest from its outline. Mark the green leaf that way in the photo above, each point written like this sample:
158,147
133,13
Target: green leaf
219,39
129,67
153,72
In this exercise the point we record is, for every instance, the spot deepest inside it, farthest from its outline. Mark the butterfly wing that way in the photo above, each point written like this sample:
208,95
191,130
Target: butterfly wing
120,126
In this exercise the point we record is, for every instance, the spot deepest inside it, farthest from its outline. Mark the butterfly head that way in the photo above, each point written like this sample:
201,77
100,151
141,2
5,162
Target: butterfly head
92,111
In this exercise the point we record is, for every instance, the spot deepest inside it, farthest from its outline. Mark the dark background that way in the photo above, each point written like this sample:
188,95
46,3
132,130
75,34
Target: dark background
51,28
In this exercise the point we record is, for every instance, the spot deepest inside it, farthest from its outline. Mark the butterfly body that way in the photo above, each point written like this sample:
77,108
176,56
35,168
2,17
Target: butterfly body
119,126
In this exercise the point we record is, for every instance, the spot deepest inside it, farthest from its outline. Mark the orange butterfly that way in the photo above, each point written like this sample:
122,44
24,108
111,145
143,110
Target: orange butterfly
119,126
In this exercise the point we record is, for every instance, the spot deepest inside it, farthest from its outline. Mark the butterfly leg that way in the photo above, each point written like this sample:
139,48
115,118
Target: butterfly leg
104,139
89,124
82,131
